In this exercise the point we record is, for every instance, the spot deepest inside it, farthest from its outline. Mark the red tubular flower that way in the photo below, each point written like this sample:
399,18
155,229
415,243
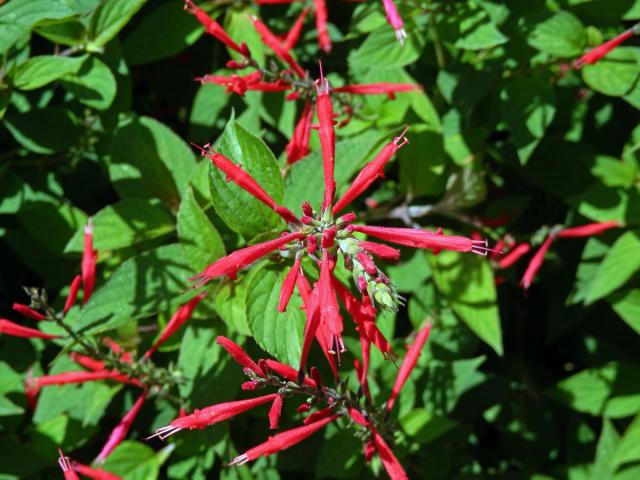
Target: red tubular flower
66,378
595,54
119,433
177,320
214,29
383,88
274,2
65,465
587,230
328,308
324,40
298,146
423,239
324,108
380,250
247,183
293,36
9,328
86,361
234,83
200,419
408,364
535,263
89,257
288,285
73,293
514,255
275,411
239,355
317,416
271,41
310,299
28,312
391,463
395,20
94,473
370,173
367,263
232,263
289,373
282,441
277,86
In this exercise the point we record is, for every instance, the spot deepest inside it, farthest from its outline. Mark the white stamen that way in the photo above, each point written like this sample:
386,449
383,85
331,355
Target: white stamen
240,460
401,35
165,432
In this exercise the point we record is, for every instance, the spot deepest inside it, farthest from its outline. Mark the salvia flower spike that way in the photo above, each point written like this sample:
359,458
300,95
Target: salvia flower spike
282,441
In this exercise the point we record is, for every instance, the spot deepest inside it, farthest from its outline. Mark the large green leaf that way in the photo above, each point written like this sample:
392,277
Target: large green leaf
620,263
124,224
149,160
34,129
478,32
140,287
94,84
280,334
40,70
561,34
615,74
382,50
110,18
242,212
467,282
201,242
133,460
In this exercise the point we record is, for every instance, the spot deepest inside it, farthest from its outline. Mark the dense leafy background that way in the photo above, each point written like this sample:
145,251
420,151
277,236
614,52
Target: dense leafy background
98,105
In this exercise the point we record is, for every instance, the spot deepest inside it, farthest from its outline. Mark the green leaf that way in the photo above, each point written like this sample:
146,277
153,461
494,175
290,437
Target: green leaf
230,303
610,390
615,172
562,35
142,286
110,17
242,212
615,74
44,69
238,25
424,425
161,33
528,108
94,84
478,32
628,449
280,334
381,49
467,282
71,33
627,305
305,180
339,456
133,460
621,262
124,224
422,161
201,242
34,129
149,160
208,103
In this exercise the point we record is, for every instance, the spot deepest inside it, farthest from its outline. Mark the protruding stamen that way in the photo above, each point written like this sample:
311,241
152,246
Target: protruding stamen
401,35
164,432
239,460
402,138
479,247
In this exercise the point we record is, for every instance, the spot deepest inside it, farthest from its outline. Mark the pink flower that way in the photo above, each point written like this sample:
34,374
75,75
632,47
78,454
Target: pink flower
119,433
200,419
293,36
239,355
282,441
28,312
73,293
383,88
298,146
395,20
587,230
380,250
232,263
9,328
535,263
89,257
370,172
179,318
275,411
288,285
514,255
324,40
324,109
391,463
595,54
408,364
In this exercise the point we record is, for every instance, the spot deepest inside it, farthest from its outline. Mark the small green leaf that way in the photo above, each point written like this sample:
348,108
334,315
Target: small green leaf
615,74
207,106
628,449
41,70
478,32
467,282
627,305
133,460
242,212
94,84
201,242
381,49
124,224
280,334
110,17
562,35
621,262
46,131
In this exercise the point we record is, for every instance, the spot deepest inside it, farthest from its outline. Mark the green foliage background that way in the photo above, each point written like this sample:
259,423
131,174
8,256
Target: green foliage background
98,105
